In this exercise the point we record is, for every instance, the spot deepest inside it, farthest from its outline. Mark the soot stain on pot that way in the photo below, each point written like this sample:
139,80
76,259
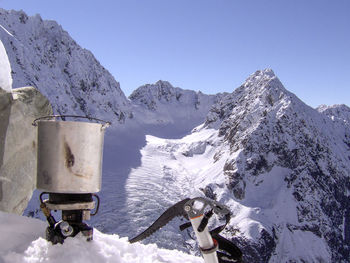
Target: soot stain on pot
69,156
70,161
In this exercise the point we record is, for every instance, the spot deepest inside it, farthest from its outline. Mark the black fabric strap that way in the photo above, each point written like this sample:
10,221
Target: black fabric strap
228,251
185,225
220,228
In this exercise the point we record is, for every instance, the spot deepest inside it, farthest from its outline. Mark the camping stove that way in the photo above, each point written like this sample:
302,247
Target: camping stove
69,171
75,208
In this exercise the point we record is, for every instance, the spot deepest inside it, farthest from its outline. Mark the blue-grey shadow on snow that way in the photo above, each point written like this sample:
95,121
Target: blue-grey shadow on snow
121,155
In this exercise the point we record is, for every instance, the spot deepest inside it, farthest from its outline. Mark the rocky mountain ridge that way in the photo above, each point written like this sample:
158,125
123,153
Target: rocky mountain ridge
162,92
266,127
165,105
44,56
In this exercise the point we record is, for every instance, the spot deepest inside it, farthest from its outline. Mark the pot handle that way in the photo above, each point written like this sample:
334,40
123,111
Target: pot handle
105,124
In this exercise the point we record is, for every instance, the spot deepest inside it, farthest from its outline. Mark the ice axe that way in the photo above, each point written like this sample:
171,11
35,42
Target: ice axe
214,247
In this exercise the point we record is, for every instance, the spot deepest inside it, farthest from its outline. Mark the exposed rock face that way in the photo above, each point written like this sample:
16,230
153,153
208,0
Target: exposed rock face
18,145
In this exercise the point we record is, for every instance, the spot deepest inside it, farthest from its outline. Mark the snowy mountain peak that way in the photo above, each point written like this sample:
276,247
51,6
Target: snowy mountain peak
164,84
260,75
150,94
263,81
165,105
260,93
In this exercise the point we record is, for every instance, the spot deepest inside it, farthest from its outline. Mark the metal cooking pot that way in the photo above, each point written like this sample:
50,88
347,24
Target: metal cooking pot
69,154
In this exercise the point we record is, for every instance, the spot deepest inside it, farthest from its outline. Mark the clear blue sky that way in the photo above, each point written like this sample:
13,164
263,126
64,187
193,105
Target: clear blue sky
212,46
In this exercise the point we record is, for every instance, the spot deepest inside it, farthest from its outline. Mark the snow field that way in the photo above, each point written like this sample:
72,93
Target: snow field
22,241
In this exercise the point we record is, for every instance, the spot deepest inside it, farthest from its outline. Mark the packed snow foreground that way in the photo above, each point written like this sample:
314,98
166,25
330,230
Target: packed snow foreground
22,240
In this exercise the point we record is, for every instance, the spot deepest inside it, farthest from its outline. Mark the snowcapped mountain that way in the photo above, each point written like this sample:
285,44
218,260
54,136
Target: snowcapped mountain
158,96
163,105
287,155
281,166
43,55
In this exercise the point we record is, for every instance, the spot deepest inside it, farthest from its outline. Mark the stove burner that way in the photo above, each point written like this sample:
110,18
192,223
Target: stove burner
75,208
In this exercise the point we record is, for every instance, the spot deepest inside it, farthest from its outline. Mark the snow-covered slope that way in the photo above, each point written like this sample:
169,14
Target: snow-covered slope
44,56
22,241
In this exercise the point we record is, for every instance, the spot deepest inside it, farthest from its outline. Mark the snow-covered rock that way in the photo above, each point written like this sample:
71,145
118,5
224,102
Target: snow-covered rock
18,146
5,74
339,113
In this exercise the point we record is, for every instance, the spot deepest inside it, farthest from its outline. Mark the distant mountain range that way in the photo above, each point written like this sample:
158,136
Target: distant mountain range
281,166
